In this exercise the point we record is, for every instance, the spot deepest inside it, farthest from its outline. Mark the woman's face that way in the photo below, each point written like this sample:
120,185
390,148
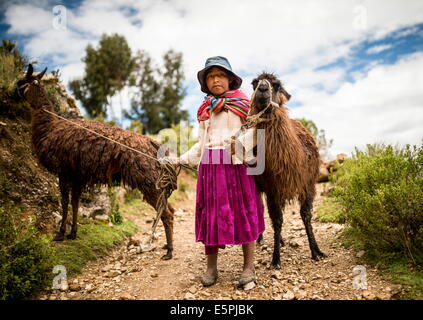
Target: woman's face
217,81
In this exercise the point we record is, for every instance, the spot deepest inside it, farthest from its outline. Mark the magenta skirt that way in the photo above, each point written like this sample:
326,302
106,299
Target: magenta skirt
228,207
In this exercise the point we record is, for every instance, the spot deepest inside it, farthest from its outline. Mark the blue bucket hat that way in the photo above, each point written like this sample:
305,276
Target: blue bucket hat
220,62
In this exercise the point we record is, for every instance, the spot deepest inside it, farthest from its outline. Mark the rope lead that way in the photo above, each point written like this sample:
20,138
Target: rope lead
167,180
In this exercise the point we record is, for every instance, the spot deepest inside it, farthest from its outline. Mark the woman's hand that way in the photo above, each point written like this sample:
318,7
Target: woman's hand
230,146
171,160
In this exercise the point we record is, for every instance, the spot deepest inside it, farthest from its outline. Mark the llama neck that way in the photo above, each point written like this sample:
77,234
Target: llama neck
279,119
39,101
38,98
281,137
41,120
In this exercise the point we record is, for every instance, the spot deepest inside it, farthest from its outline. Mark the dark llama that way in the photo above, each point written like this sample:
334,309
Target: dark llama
291,161
82,159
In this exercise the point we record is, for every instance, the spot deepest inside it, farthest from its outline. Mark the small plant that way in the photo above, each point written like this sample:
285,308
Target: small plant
9,74
136,126
330,211
132,194
114,215
24,256
11,66
183,186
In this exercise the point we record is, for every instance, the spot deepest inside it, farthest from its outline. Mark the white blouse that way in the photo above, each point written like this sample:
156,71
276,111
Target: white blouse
216,133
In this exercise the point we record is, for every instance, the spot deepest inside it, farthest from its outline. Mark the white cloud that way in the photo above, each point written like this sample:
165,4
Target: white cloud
271,34
378,49
291,38
386,105
18,16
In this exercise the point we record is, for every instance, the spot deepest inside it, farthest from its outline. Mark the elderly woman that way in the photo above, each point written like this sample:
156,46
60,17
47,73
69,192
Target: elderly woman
228,206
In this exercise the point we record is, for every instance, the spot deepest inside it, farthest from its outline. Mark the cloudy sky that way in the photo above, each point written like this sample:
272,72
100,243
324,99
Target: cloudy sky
353,67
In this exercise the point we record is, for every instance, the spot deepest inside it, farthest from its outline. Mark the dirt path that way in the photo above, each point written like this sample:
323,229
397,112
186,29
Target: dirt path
126,274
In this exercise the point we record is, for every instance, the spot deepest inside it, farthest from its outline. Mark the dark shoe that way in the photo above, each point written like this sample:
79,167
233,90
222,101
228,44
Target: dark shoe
208,280
244,279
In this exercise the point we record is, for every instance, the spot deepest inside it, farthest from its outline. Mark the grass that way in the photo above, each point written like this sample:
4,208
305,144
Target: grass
9,73
94,239
330,211
136,207
134,203
186,183
410,277
177,196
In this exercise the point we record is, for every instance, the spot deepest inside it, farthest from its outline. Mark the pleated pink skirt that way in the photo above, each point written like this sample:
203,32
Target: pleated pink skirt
228,209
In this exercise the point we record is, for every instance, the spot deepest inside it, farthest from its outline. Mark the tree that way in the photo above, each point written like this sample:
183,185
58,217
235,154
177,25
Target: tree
91,100
173,91
319,136
157,104
107,71
145,105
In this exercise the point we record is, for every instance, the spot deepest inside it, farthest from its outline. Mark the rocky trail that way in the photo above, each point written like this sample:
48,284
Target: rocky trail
127,274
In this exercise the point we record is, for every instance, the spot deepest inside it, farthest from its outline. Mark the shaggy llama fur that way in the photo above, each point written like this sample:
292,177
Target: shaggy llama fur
82,159
291,161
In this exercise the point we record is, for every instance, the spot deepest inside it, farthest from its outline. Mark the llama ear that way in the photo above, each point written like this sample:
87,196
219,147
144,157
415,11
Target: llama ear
29,72
41,74
286,94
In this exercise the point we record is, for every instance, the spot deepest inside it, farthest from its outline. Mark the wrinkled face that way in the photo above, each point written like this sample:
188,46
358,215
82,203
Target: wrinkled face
268,88
217,81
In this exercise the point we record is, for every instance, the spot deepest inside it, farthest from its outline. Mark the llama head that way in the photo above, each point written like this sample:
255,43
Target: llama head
30,84
268,88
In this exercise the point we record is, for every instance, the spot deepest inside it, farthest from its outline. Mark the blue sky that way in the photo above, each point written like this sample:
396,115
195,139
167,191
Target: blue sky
352,66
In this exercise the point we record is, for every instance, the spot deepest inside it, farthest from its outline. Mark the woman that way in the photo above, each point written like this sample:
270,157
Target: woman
228,207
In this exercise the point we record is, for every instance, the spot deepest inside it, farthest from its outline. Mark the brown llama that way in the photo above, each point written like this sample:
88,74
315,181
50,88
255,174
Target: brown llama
82,159
291,161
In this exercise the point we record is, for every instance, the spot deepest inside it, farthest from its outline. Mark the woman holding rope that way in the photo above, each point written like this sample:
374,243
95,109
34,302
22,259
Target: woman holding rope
228,206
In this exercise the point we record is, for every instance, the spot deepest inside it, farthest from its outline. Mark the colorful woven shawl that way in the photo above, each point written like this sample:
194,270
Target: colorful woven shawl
233,100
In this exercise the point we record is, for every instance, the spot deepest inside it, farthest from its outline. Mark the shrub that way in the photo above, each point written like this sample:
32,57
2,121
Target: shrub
381,193
114,215
24,257
132,194
330,211
9,74
11,66
183,186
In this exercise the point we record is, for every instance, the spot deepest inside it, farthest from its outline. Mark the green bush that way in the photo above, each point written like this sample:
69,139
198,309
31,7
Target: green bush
183,186
114,215
9,74
330,211
24,257
381,192
11,67
132,194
